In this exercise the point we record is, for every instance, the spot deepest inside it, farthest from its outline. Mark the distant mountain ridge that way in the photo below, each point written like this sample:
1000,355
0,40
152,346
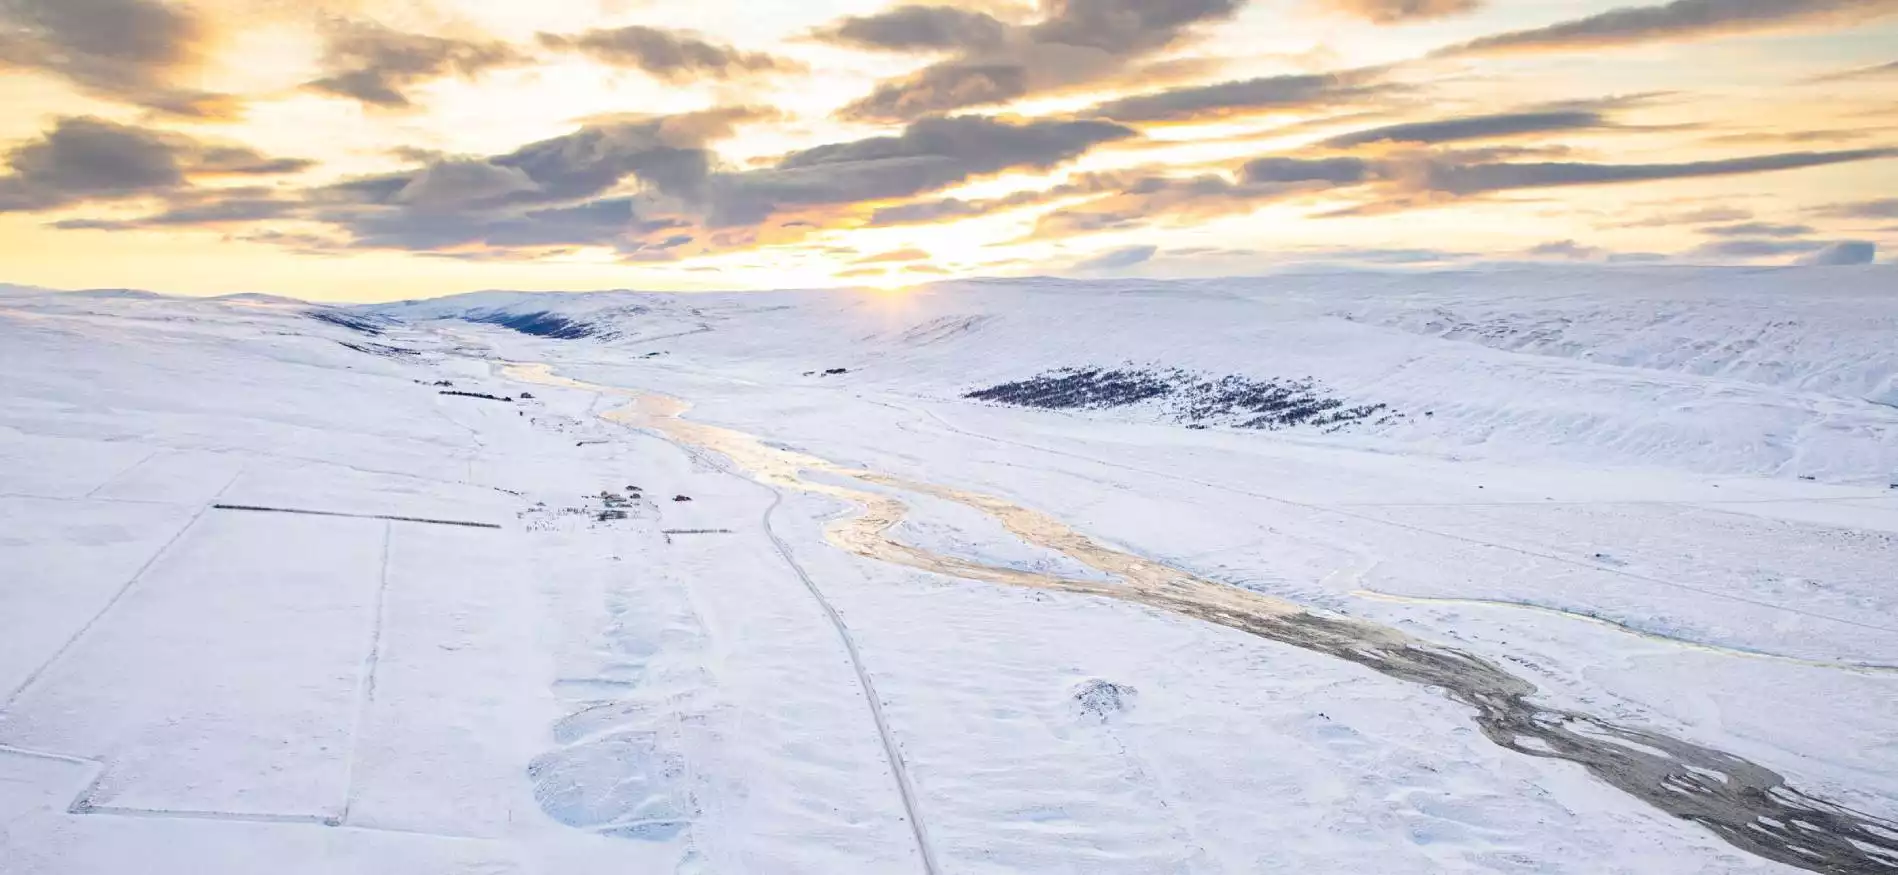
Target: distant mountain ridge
1777,372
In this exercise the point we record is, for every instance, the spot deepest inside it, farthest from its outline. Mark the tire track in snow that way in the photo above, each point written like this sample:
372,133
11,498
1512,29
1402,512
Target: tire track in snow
890,749
366,680
122,473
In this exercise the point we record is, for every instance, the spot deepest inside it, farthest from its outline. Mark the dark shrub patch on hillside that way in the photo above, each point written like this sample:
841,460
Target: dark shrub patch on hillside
381,349
371,325
1077,389
1182,396
540,324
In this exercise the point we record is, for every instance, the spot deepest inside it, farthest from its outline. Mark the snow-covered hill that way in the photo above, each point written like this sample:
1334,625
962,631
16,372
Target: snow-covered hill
693,584
1781,372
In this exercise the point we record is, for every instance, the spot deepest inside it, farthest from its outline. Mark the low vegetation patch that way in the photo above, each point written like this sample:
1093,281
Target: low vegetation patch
370,325
541,324
1194,399
381,349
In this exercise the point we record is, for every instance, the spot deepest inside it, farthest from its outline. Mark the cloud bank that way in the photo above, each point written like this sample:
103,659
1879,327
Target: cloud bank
376,65
991,62
132,51
1680,20
670,55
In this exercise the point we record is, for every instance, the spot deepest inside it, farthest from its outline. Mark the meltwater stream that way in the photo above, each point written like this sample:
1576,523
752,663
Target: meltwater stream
1748,805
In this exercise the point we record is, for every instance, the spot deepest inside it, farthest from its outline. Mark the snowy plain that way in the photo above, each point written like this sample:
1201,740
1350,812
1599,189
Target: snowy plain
1662,496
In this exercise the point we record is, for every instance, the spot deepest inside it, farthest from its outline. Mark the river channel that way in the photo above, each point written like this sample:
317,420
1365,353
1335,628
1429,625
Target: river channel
1748,805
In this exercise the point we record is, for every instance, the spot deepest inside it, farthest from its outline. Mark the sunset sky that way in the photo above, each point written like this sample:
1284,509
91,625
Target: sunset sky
379,149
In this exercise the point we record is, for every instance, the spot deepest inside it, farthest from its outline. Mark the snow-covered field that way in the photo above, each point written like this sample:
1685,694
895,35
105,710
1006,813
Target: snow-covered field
1662,497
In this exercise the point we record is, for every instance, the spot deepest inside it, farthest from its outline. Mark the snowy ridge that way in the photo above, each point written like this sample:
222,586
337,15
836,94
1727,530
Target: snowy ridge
1774,372
1824,332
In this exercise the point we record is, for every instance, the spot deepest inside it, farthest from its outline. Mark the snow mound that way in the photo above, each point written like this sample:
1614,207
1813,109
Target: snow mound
621,784
1101,700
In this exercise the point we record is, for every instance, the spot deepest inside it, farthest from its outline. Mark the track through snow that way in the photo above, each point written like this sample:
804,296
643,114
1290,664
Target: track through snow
1747,805
895,754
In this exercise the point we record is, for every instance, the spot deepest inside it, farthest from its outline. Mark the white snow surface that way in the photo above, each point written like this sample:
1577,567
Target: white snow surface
1598,483
1769,372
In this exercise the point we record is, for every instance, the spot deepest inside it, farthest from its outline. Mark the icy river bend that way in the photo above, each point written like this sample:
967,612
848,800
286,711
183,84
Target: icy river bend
1747,805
